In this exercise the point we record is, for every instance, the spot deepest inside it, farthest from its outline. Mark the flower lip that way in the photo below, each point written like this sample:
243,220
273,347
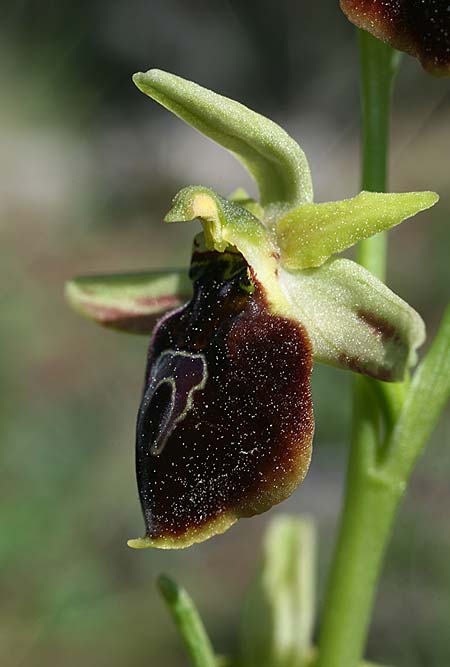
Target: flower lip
235,413
420,28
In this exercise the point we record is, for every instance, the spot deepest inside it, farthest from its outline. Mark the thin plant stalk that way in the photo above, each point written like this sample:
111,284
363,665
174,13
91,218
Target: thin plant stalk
378,64
371,498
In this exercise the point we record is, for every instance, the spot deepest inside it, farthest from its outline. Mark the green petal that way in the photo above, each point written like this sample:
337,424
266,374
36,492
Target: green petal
272,157
311,233
129,302
353,320
241,197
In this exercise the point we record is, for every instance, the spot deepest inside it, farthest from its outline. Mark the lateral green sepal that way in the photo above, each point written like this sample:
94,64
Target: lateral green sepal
353,320
311,233
130,302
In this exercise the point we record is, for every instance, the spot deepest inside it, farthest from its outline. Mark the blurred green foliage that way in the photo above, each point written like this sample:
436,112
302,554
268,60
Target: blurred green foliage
87,170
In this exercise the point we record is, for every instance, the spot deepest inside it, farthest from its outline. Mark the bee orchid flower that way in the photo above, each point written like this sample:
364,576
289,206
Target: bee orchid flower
225,425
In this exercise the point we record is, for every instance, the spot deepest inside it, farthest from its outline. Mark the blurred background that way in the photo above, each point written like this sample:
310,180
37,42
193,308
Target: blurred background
88,166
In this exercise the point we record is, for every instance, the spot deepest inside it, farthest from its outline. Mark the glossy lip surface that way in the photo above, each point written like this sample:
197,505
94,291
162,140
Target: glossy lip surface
244,443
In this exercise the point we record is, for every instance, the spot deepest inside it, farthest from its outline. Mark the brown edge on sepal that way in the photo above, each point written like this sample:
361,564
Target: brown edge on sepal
131,314
131,322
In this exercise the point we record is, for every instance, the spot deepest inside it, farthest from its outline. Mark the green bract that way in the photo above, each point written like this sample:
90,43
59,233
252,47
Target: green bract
354,321
278,619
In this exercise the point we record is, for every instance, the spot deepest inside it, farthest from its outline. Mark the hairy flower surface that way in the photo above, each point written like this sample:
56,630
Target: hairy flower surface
419,27
225,425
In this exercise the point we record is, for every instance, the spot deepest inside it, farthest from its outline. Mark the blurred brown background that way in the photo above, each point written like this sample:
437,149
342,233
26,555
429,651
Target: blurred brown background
88,166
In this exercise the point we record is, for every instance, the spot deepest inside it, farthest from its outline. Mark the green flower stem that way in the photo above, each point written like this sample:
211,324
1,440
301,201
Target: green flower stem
375,486
371,495
188,623
369,509
379,63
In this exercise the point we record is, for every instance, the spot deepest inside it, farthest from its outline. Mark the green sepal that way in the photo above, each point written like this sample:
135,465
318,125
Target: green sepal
353,320
278,616
272,157
130,302
311,233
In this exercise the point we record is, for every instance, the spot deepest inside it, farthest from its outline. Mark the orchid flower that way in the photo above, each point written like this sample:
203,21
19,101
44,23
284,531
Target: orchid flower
225,425
419,27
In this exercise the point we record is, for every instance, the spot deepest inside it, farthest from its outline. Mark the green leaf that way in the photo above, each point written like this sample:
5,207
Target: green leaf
272,157
188,623
353,320
130,302
278,617
311,233
427,396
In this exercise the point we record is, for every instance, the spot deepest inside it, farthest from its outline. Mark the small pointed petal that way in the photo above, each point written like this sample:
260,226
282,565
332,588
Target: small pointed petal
241,197
419,27
354,320
311,233
130,302
272,157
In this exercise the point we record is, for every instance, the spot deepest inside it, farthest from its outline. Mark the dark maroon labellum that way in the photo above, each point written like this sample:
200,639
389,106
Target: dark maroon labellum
225,426
419,27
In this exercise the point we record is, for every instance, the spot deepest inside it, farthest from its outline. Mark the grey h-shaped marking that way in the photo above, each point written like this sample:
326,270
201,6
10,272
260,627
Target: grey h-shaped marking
184,373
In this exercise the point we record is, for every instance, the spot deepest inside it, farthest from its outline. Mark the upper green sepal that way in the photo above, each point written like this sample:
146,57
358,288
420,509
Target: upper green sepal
309,234
273,158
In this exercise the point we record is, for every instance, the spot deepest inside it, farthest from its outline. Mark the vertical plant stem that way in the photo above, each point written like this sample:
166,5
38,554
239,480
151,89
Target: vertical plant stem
371,497
378,65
